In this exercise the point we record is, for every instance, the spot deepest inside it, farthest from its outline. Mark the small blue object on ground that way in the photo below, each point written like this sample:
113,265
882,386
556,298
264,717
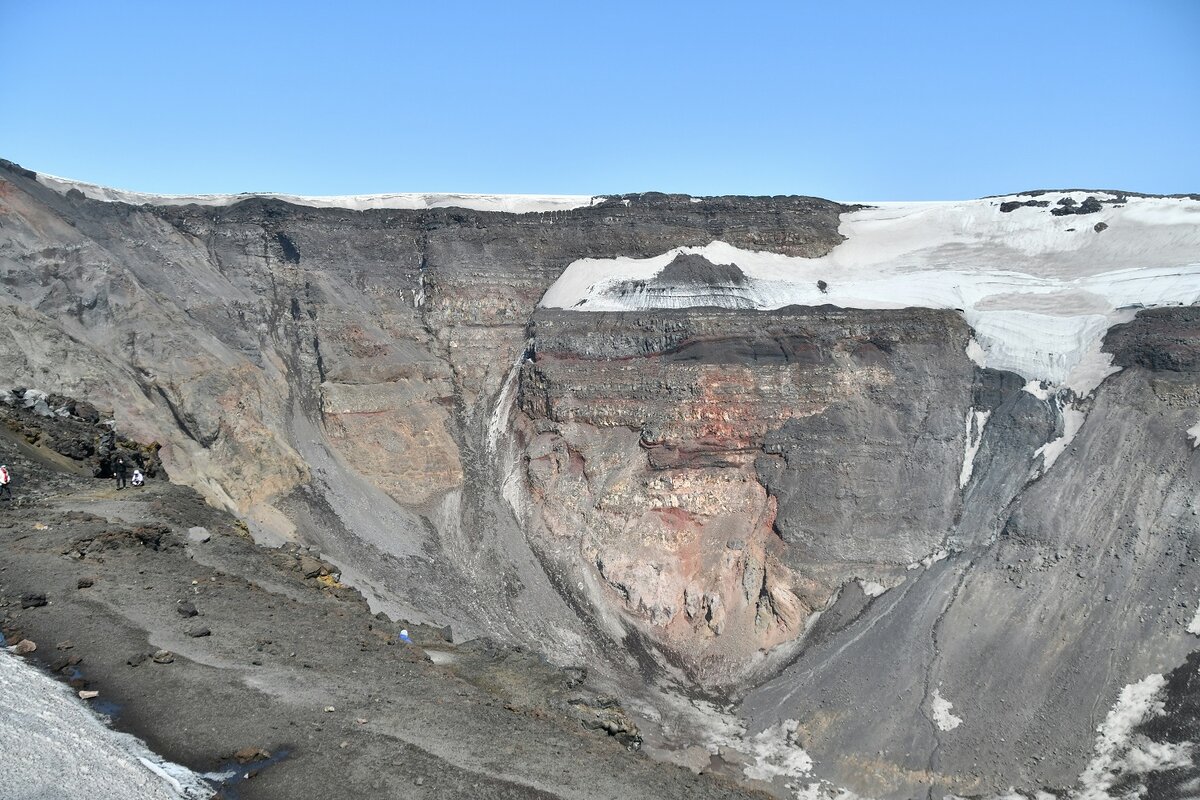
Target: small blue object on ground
402,636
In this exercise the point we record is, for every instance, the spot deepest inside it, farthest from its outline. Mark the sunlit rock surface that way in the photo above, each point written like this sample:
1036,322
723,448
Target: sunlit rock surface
910,488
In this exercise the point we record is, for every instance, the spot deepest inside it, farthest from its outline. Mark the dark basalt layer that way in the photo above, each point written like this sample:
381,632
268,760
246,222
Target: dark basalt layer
1158,339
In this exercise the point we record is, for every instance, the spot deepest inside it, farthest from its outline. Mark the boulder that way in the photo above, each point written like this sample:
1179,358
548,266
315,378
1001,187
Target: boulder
33,600
310,567
23,647
86,412
248,754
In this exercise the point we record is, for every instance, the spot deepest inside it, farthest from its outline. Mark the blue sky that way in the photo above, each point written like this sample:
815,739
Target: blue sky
862,100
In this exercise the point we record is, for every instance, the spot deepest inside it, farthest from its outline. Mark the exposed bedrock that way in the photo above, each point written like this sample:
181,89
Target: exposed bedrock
719,477
993,667
331,374
926,573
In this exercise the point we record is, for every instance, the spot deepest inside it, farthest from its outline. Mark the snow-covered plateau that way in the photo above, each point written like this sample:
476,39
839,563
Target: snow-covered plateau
510,203
1040,290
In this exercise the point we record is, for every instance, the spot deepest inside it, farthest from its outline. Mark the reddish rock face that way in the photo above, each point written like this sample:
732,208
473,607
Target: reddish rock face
658,450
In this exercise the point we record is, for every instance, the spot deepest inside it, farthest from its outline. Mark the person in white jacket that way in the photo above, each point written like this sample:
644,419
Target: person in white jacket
5,480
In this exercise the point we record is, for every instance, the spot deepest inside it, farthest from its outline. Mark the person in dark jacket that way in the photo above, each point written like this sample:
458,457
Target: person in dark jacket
120,471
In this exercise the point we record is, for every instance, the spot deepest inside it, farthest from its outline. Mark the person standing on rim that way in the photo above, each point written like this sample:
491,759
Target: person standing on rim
120,470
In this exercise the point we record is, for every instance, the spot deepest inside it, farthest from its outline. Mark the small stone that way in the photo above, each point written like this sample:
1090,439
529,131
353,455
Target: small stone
1100,226
186,609
136,659
64,663
419,781
197,632
33,600
88,694
85,583
163,657
361,721
310,567
23,647
248,754
330,709
198,535
64,645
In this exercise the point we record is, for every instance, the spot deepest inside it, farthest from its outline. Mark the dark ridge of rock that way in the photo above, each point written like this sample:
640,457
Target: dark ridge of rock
17,169
693,268
691,276
1067,206
1158,339
1120,194
1013,205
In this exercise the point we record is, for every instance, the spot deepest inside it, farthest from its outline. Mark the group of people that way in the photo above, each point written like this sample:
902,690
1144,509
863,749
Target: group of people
121,473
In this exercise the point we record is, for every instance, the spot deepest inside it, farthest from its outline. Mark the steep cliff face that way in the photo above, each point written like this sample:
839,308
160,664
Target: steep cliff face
718,477
873,475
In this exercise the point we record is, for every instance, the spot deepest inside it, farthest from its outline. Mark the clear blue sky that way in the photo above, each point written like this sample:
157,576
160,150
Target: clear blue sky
855,100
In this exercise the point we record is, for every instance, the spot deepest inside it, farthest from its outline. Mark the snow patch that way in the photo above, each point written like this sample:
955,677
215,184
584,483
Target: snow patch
1039,297
776,754
940,708
55,746
1042,390
934,557
871,588
1194,434
504,404
1072,421
976,420
1120,753
1194,626
508,203
976,353
929,560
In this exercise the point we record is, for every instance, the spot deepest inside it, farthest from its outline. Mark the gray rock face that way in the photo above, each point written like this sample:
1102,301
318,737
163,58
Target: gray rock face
784,432
833,518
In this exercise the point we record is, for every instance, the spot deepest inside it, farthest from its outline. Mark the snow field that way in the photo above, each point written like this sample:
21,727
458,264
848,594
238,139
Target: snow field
510,203
1039,296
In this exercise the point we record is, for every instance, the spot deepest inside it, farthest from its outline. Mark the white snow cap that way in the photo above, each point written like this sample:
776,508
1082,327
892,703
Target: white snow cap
511,203
1039,290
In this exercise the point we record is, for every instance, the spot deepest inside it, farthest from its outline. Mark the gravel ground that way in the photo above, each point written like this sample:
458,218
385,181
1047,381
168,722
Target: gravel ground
290,672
